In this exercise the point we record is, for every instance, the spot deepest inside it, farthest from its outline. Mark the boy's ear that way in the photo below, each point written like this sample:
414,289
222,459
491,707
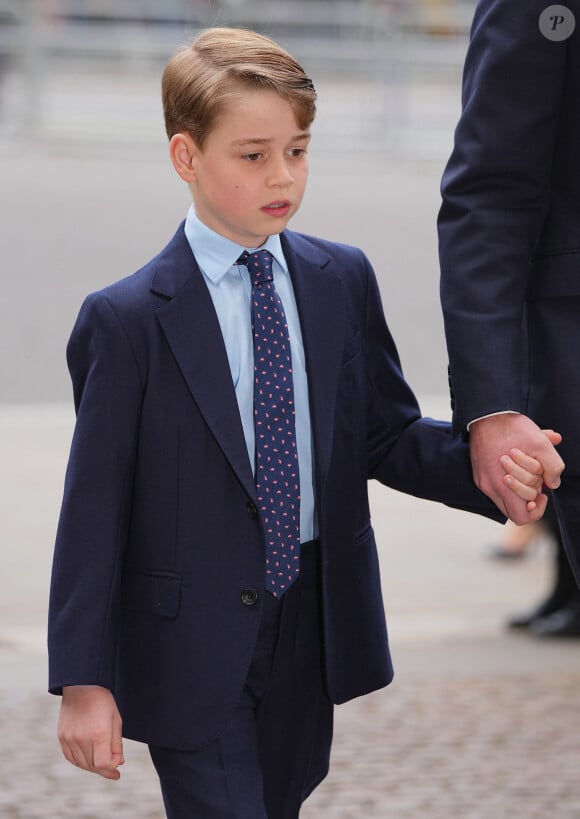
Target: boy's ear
183,150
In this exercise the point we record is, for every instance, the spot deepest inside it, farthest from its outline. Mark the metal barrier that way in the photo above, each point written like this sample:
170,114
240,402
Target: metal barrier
373,40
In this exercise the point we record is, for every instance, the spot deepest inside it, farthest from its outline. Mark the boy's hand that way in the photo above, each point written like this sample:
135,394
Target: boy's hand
524,475
89,730
495,436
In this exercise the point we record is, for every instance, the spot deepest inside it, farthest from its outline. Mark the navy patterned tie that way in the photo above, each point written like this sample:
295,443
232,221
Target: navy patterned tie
277,476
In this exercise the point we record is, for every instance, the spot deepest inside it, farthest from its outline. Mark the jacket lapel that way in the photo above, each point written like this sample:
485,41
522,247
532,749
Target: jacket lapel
191,326
320,300
192,329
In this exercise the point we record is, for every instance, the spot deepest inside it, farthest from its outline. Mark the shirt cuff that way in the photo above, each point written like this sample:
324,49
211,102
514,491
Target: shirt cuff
491,415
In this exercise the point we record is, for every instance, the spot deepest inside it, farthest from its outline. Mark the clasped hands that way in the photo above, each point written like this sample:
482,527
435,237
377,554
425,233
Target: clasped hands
512,461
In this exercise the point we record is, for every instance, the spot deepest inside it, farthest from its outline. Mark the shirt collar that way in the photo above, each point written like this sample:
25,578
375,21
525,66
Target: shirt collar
215,254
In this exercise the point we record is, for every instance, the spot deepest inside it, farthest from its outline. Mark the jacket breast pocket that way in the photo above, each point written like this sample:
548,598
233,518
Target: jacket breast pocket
352,348
555,275
152,592
364,535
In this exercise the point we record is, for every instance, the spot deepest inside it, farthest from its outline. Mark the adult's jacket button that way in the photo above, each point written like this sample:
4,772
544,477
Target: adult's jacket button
249,597
252,510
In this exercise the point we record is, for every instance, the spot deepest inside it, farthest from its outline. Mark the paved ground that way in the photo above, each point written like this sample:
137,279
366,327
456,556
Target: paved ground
467,744
478,723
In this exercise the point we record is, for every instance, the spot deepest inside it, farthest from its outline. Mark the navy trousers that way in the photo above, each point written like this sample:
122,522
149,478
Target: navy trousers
276,748
567,506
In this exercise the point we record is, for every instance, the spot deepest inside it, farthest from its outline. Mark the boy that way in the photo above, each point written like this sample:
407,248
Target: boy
215,580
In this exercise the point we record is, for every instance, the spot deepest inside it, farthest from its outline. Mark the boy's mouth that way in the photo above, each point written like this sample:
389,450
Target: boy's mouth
277,208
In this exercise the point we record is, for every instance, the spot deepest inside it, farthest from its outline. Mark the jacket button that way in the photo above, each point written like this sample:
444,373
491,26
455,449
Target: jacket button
252,510
249,597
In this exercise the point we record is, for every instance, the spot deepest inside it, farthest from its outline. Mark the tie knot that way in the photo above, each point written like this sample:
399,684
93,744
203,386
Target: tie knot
259,265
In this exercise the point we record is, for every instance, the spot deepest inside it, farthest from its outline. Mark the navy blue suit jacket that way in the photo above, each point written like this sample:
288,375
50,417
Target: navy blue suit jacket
509,226
158,534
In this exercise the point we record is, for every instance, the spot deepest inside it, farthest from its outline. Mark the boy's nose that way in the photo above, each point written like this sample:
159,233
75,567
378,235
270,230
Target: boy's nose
280,175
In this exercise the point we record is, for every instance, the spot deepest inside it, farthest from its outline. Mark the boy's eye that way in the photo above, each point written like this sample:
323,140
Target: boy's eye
297,152
253,157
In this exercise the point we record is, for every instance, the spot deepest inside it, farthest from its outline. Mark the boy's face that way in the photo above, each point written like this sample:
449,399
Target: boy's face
249,178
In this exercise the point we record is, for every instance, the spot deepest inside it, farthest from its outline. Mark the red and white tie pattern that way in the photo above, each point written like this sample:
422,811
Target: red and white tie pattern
277,475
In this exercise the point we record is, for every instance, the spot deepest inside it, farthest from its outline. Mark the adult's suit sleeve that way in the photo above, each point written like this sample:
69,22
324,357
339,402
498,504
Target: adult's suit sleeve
84,598
495,192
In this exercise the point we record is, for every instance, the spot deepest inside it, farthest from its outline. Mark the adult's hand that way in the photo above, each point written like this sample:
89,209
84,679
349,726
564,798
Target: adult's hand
89,730
496,436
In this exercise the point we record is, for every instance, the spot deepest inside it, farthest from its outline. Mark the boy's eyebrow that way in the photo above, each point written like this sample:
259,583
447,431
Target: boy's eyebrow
261,141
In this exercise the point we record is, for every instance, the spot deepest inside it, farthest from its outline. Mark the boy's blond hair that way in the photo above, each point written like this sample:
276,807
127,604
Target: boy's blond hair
202,77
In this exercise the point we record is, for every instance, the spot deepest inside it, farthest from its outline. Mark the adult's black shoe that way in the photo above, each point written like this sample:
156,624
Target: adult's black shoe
547,607
562,623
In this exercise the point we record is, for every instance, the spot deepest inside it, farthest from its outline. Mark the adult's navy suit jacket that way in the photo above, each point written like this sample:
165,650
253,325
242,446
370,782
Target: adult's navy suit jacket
159,536
509,233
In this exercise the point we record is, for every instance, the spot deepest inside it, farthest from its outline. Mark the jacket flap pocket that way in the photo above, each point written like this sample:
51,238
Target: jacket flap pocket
155,592
555,275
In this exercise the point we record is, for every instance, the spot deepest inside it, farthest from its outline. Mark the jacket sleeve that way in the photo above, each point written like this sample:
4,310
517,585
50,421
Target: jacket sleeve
415,455
84,597
495,192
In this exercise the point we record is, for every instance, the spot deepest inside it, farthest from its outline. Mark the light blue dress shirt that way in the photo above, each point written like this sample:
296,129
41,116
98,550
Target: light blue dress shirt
230,289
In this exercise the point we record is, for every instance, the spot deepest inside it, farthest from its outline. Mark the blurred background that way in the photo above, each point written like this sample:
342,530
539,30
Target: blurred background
87,195
83,151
